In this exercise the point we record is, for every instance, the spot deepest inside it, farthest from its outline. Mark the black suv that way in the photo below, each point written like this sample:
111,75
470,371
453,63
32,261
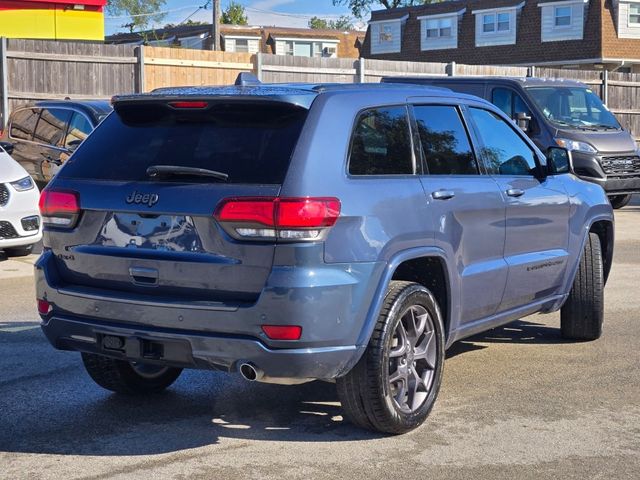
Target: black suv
44,135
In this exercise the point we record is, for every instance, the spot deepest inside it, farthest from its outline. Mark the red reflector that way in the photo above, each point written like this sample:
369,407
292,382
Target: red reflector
247,210
280,212
282,332
44,307
189,104
54,202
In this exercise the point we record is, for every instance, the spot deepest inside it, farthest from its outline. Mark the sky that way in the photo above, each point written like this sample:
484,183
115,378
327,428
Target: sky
285,13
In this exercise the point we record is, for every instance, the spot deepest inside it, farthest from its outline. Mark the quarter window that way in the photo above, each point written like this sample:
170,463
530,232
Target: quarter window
503,150
23,123
634,14
563,16
381,143
444,141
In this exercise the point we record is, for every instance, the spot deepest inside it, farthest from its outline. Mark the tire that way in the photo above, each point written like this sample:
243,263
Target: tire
619,201
369,396
582,315
18,251
123,377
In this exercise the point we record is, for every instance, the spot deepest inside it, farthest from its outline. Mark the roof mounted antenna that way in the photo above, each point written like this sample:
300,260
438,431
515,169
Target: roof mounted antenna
246,79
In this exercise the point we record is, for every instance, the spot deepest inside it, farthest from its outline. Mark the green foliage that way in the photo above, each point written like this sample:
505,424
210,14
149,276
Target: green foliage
142,13
342,23
360,8
234,15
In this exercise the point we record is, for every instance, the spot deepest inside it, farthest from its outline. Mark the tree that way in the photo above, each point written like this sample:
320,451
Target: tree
142,13
234,15
359,8
342,23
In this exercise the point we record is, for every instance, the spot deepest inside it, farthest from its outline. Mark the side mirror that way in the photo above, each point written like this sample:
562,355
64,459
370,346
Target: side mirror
7,147
524,121
559,161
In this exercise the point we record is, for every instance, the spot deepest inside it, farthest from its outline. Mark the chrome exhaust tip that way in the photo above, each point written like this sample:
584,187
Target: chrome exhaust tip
250,372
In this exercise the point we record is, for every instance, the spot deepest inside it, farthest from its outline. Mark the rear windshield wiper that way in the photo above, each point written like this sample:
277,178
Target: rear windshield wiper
175,170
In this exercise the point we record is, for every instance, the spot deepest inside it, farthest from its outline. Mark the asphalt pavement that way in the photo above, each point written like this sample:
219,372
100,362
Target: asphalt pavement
517,402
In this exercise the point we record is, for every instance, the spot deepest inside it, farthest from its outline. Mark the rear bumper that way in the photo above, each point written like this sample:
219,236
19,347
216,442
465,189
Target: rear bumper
329,302
197,350
589,168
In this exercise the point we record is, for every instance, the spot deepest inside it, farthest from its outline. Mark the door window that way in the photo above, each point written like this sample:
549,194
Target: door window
52,126
444,140
504,151
381,143
79,129
23,123
509,102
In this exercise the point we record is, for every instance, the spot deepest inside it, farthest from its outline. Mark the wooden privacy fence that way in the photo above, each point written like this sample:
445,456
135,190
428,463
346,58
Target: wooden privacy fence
41,69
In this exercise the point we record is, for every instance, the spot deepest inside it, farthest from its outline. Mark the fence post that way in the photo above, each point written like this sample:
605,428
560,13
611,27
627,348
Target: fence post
605,87
4,84
259,65
450,69
531,71
140,80
361,70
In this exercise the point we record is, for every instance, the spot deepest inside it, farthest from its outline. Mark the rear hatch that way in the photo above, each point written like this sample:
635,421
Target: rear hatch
146,223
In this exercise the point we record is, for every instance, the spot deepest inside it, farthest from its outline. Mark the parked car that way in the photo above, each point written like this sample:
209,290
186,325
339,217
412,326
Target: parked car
347,233
20,225
565,113
45,134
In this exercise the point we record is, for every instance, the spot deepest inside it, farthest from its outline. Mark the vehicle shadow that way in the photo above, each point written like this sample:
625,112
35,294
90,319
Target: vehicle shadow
59,410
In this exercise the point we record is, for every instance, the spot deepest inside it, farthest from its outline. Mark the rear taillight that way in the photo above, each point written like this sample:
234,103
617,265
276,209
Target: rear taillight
275,217
59,208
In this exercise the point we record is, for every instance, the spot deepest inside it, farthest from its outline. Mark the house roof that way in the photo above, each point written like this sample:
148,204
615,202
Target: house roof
451,6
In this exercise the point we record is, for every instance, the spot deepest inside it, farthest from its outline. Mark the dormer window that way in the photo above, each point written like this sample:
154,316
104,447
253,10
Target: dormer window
563,16
386,35
497,26
440,31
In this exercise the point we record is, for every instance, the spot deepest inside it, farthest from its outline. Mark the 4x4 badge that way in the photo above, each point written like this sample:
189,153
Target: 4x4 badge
149,199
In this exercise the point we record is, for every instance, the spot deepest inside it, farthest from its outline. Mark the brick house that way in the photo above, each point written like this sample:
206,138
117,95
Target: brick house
562,33
275,40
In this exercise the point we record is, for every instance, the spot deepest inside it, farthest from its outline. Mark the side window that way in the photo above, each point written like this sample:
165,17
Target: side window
504,151
79,129
509,102
444,140
52,126
23,123
503,99
381,143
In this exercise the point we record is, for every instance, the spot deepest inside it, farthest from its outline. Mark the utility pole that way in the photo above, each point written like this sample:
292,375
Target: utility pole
215,26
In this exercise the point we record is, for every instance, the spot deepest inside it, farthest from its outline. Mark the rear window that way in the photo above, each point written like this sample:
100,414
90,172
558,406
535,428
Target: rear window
252,143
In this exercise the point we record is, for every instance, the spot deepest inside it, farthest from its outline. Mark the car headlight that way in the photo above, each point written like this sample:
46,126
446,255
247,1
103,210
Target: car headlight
575,146
23,184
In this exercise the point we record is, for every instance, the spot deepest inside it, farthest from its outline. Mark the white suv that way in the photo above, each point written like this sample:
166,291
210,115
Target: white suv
20,222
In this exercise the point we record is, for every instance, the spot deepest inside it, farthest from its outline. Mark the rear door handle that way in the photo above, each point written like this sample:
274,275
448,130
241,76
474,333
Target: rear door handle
442,194
515,192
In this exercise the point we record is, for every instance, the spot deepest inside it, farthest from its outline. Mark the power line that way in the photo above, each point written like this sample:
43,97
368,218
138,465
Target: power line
164,12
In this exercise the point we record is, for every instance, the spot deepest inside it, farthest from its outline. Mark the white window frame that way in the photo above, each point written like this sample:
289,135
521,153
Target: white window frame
439,27
248,38
629,22
555,17
323,43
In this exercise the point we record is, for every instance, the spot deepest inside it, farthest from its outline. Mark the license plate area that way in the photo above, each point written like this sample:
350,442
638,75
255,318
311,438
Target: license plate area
174,233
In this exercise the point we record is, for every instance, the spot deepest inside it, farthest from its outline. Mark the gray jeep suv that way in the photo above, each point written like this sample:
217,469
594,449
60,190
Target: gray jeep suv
289,233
